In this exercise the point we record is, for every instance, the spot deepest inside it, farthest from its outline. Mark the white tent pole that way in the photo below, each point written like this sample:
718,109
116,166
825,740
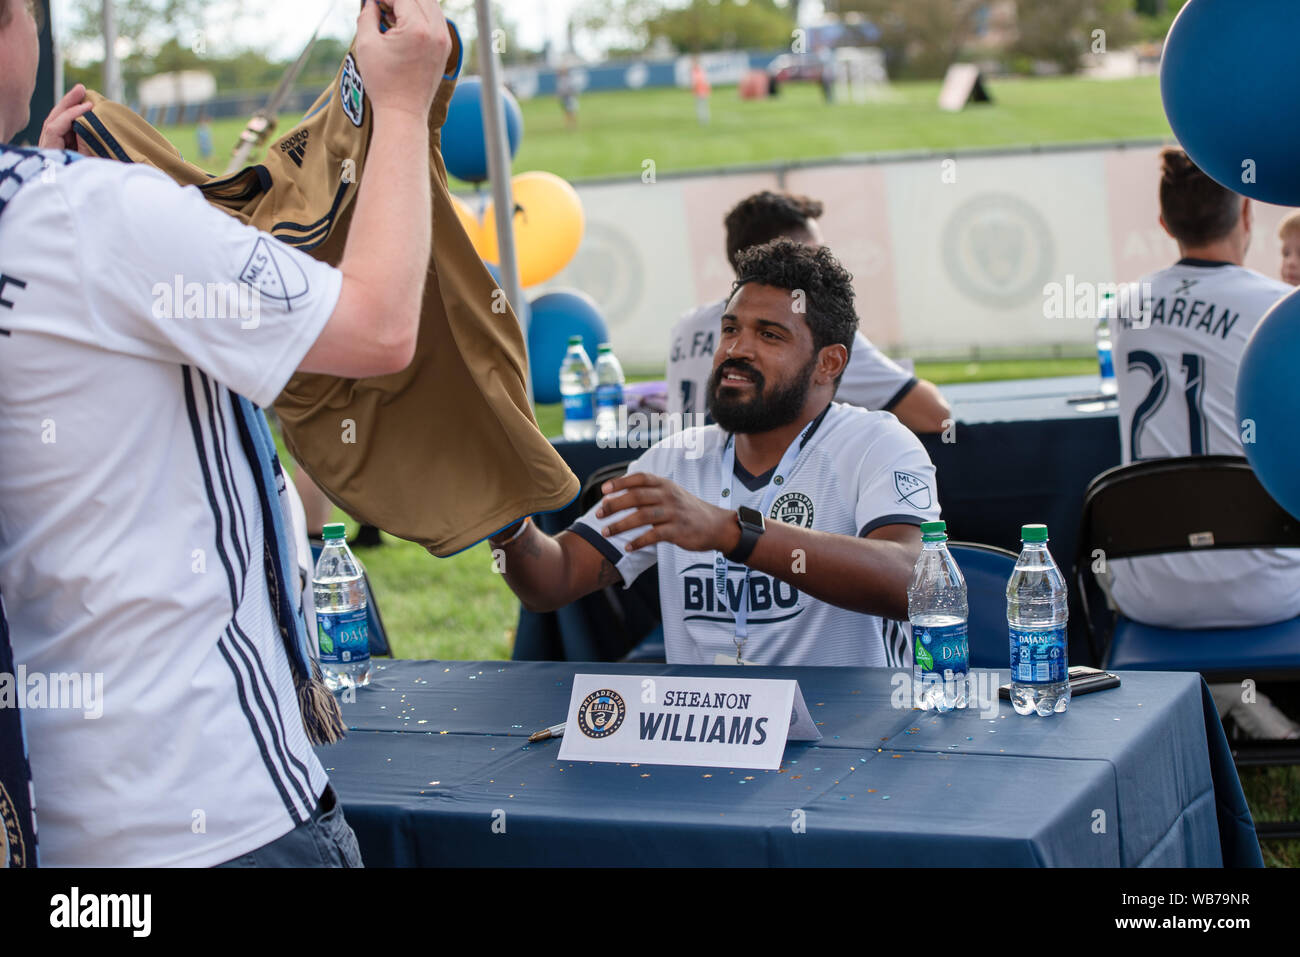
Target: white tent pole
112,68
498,157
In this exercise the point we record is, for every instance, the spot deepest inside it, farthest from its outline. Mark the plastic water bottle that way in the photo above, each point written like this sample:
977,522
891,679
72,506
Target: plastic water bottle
341,601
936,607
1105,351
609,394
577,384
1037,611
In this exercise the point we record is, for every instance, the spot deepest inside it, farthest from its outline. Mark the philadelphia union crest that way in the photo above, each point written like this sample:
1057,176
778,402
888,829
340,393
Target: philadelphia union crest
13,852
601,713
352,92
793,508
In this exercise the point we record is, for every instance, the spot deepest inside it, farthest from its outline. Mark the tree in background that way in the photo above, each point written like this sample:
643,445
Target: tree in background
627,18
692,26
1061,31
724,25
509,48
920,38
1156,16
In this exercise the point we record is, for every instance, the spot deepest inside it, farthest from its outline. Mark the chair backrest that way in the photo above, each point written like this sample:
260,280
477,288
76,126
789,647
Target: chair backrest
607,624
590,493
986,569
1181,504
1194,503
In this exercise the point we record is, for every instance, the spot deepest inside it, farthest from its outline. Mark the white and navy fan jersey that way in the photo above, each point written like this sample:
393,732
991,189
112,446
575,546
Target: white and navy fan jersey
1177,381
131,542
859,471
871,379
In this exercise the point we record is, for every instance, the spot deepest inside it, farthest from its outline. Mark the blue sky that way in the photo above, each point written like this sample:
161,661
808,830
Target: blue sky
283,26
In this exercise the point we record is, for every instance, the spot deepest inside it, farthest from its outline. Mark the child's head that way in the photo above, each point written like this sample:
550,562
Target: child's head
1289,233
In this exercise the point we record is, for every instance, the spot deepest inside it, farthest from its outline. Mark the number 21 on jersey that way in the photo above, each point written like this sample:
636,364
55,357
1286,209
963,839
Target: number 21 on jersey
1193,392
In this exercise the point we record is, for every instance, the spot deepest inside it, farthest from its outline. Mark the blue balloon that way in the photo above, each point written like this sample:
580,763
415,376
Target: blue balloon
464,150
1268,393
555,317
1223,79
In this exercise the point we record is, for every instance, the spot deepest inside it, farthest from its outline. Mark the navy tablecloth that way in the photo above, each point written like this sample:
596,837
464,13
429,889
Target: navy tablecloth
436,770
1021,453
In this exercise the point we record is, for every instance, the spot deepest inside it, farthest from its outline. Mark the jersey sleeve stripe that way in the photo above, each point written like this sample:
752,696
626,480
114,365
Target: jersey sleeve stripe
898,396
898,519
107,137
89,139
597,541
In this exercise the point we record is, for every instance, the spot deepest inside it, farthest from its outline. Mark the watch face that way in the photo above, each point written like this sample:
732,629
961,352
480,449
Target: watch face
750,516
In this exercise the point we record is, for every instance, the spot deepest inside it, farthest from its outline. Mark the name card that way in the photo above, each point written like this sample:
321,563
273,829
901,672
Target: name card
697,722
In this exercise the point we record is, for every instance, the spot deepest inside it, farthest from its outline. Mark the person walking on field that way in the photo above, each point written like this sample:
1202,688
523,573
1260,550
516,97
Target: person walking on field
700,84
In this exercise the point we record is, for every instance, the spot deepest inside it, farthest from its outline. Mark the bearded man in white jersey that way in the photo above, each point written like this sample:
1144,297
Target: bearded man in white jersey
1176,366
136,501
784,534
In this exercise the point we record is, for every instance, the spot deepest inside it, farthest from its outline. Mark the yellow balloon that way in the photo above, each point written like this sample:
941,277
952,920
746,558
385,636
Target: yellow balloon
468,219
548,226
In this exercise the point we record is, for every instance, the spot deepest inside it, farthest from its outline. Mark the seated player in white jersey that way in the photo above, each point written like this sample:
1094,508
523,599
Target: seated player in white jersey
138,537
1176,368
872,380
784,534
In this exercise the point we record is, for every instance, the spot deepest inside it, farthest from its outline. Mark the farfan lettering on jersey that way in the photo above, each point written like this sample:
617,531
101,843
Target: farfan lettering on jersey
701,602
1196,314
701,345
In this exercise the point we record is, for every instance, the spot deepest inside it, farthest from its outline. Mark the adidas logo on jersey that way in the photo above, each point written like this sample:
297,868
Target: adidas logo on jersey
295,147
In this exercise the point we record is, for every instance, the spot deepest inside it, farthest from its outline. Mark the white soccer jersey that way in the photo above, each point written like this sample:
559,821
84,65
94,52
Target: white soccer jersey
858,471
871,379
131,542
1177,396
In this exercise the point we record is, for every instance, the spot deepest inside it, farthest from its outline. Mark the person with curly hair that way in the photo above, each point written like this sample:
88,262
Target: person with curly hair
786,532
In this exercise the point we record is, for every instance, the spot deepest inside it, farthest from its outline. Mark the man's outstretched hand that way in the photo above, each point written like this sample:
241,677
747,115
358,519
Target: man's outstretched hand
402,66
57,133
674,514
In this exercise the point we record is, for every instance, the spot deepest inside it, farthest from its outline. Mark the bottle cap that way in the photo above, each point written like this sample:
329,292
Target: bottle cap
575,340
333,530
934,531
1033,533
603,347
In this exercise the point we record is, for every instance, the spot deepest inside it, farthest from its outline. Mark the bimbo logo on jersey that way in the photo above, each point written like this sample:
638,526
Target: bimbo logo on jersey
770,599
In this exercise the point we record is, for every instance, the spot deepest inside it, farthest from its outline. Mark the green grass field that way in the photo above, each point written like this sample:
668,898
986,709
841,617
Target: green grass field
618,131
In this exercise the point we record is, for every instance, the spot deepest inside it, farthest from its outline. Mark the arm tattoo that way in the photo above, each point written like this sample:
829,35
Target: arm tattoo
608,573
529,545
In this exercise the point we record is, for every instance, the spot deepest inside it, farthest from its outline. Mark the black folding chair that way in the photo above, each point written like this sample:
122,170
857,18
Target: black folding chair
1190,504
623,623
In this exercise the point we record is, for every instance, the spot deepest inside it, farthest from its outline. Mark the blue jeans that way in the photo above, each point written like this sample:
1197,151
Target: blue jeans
324,840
